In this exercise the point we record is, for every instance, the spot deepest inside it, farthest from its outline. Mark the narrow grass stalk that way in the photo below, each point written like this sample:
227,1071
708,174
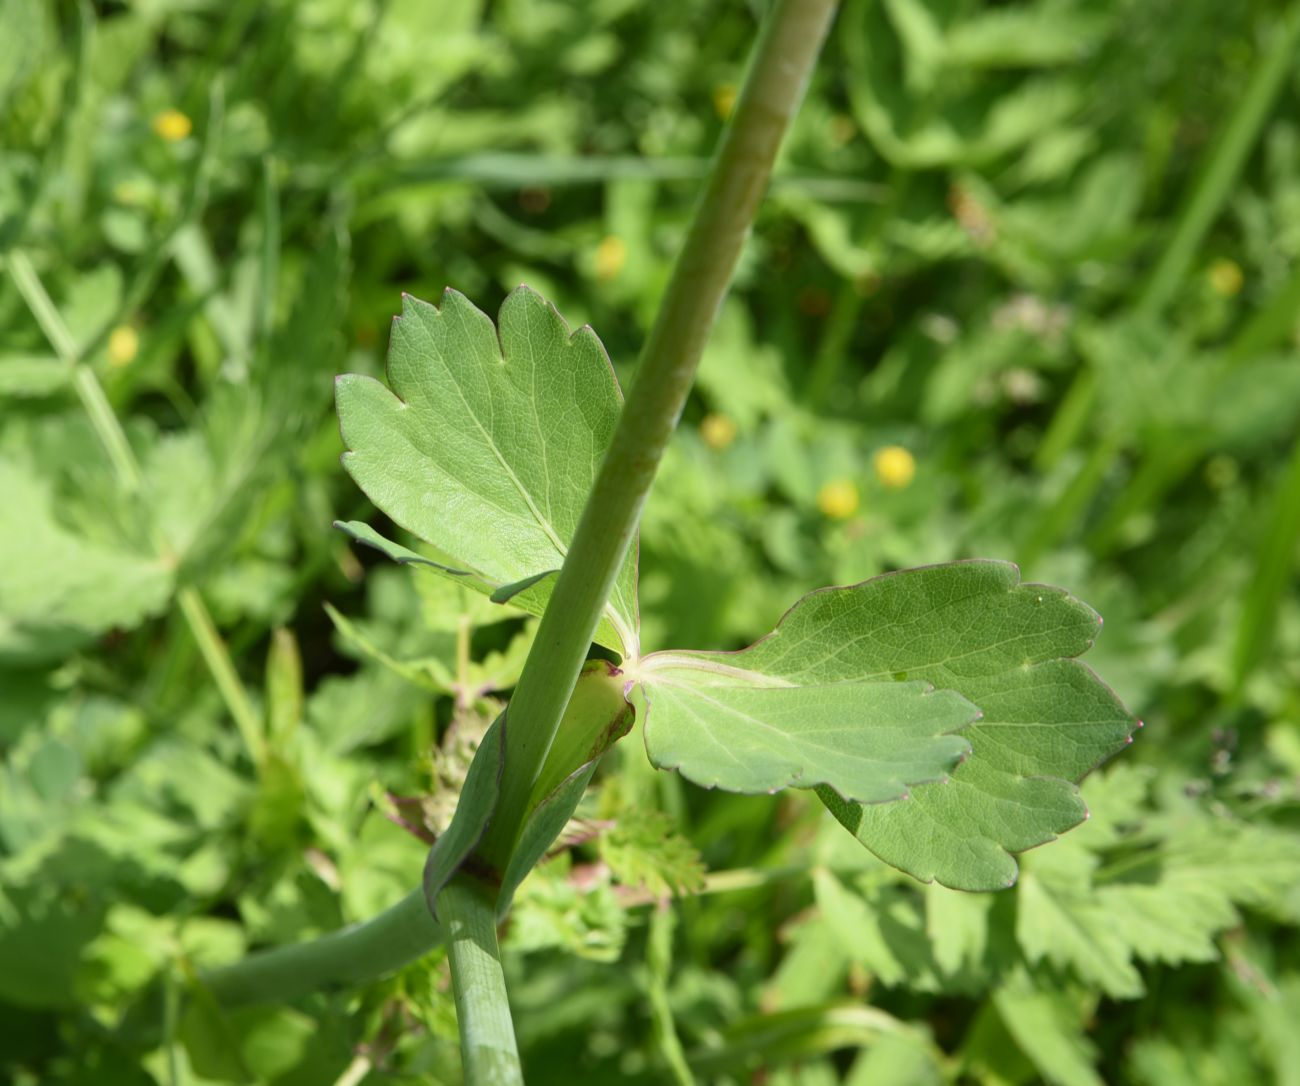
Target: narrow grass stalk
222,668
659,962
127,468
1073,501
1274,566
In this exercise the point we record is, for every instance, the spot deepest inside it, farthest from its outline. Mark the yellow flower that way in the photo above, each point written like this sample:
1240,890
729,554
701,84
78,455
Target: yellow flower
717,431
724,99
172,125
838,499
1225,277
123,345
611,255
895,466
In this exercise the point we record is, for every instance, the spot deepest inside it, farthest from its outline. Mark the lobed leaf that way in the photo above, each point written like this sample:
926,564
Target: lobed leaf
743,729
58,588
478,799
973,628
487,446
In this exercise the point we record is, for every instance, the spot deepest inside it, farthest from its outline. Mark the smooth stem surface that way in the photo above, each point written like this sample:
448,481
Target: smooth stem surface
111,435
222,669
1274,563
342,959
783,60
487,1037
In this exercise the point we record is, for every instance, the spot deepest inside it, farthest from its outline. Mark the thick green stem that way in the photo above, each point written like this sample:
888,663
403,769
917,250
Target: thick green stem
783,60
487,1037
111,435
341,959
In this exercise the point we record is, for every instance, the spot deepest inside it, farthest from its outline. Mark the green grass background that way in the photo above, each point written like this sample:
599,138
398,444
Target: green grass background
1048,247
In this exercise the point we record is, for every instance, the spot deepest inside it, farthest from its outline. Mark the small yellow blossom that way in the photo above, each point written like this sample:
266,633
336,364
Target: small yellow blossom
611,255
172,125
724,99
895,466
123,345
1225,277
718,431
838,499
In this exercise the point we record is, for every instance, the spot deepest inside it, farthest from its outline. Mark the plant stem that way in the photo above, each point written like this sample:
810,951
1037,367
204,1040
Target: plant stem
400,934
783,60
222,668
89,391
127,468
1274,567
406,931
487,1037
341,959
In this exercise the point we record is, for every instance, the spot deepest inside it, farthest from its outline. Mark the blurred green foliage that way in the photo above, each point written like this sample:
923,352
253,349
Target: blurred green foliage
1048,248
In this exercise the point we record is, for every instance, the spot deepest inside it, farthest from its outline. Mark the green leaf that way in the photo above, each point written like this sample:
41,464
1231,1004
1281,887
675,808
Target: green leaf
545,823
809,705
645,850
478,799
209,1039
971,627
1048,1027
597,717
877,937
59,589
763,719
1163,903
1063,920
488,444
418,673
793,1036
31,375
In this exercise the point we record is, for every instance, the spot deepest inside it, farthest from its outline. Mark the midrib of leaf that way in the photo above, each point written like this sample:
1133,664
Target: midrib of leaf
740,714
660,665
